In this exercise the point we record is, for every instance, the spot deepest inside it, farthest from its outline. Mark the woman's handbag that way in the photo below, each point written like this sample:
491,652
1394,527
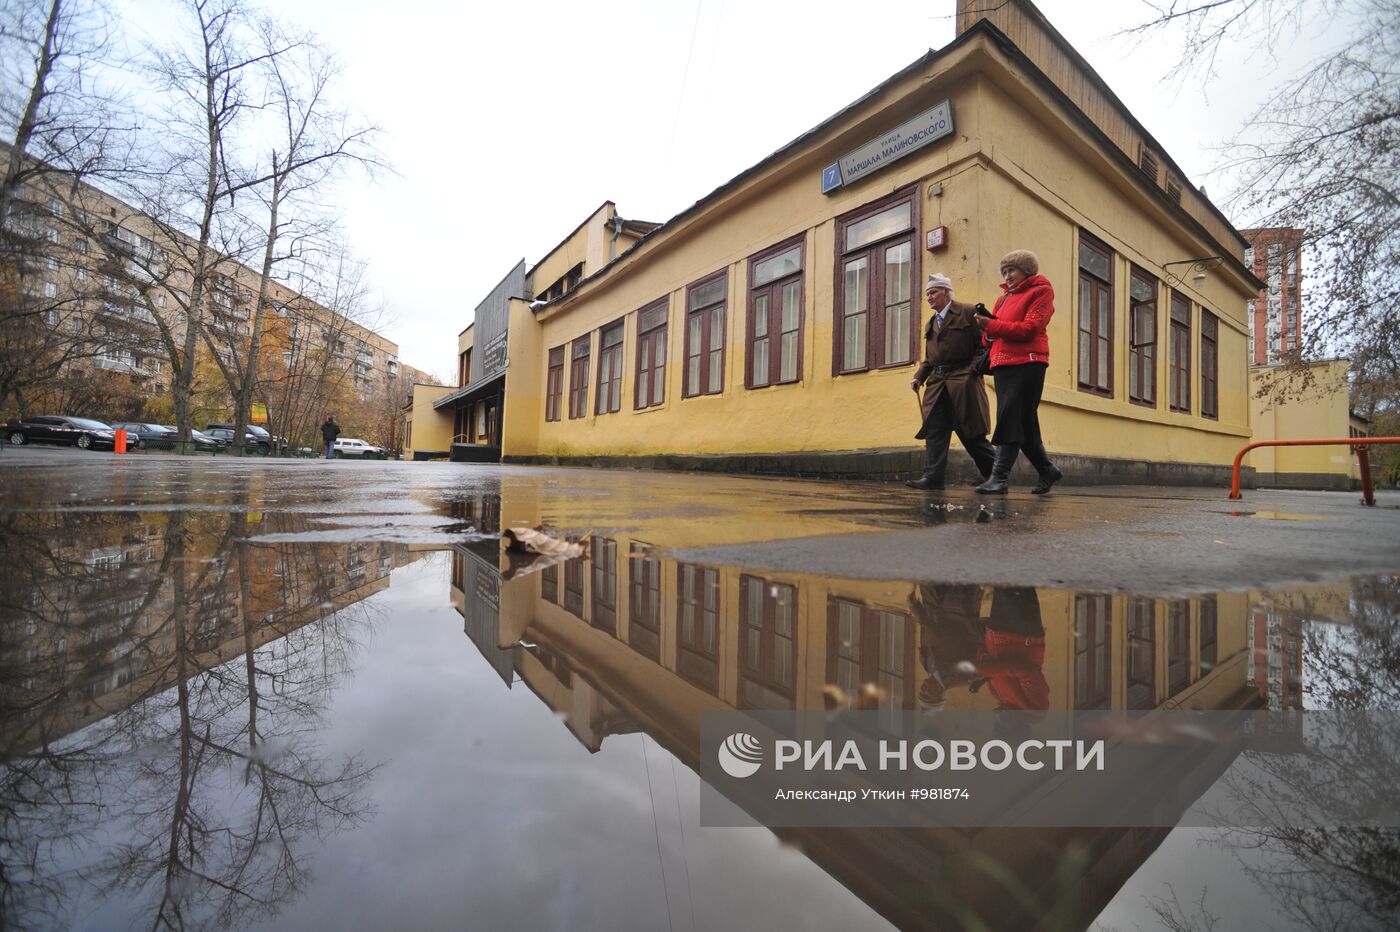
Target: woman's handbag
982,362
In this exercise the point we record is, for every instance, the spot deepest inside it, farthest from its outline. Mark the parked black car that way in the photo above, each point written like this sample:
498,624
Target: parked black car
224,437
253,436
80,431
154,436
163,436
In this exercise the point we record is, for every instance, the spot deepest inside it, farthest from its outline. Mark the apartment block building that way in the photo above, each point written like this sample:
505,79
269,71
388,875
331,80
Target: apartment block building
118,284
1275,256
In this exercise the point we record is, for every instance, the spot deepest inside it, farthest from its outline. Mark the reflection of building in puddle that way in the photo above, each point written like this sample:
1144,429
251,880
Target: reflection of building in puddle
174,643
1277,628
626,639
97,605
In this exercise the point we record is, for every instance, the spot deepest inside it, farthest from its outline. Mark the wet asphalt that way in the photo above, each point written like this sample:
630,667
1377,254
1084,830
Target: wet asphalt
1153,541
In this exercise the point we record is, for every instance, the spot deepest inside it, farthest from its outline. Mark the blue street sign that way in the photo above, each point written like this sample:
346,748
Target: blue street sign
831,177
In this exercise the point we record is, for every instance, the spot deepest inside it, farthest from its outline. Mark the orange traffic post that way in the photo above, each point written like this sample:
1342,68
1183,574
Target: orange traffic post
1368,488
1360,444
119,441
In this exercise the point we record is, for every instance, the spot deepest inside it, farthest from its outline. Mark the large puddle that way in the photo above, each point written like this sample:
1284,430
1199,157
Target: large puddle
230,718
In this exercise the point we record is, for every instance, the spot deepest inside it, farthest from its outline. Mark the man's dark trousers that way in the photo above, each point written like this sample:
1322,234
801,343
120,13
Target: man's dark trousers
941,426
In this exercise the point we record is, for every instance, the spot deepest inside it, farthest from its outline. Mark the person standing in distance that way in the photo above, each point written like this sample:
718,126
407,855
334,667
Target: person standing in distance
954,398
329,431
1020,356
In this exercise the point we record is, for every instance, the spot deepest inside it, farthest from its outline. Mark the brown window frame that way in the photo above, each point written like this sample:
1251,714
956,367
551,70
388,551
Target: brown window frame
773,291
705,353
607,396
644,611
1141,631
1142,367
1210,365
1093,616
549,583
554,385
867,645
1179,355
1178,646
1208,635
875,306
604,589
573,587
646,358
766,674
1090,382
464,367
706,578
578,376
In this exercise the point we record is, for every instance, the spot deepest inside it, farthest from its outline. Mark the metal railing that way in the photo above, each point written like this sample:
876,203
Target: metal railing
1360,445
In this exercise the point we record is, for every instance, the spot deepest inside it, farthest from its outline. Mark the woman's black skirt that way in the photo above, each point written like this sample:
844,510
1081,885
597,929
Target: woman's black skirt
1018,399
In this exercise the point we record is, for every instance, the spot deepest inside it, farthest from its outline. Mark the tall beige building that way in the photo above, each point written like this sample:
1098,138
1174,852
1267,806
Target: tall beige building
117,285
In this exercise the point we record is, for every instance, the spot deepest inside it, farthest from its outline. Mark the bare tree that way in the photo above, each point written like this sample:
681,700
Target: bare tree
210,80
1321,153
56,116
126,724
314,140
313,372
63,127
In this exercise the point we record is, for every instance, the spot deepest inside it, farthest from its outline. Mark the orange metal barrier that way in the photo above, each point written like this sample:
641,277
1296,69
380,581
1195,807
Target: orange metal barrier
1359,444
119,441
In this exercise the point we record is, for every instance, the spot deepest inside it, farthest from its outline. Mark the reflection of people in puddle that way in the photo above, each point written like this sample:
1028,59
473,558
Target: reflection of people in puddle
1012,661
950,636
1004,652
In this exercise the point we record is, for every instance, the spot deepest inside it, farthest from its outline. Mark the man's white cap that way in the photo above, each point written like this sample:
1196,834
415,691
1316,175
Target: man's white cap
939,280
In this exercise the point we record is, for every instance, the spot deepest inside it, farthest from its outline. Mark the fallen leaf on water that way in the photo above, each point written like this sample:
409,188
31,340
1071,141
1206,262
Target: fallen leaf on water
535,540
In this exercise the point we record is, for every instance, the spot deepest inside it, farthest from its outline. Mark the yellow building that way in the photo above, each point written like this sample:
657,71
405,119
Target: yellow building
773,326
1308,403
427,435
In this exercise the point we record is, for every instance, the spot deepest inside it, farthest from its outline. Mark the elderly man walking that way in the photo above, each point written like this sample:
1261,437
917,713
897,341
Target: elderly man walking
954,398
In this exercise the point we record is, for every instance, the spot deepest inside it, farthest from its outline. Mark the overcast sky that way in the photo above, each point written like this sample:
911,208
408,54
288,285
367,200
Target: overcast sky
508,123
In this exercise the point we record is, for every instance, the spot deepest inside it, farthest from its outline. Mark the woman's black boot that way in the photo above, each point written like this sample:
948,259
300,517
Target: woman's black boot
1047,478
1001,470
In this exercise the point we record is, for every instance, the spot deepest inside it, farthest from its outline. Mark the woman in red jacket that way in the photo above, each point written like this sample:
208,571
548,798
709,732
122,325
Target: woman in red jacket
1020,356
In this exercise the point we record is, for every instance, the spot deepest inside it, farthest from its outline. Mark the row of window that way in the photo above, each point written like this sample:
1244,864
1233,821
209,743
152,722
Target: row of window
767,622
876,280
1097,265
877,325
866,644
1094,650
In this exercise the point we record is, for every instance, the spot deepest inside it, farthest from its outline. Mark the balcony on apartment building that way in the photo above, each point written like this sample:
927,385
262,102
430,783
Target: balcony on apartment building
121,362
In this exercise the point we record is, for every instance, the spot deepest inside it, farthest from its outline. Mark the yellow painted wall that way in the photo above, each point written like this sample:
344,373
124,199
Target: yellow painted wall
1039,194
1319,411
1009,181
524,389
588,244
428,429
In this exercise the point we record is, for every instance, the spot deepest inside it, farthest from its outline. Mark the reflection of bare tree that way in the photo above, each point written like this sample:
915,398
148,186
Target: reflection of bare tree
62,609
207,769
1333,877
1357,666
